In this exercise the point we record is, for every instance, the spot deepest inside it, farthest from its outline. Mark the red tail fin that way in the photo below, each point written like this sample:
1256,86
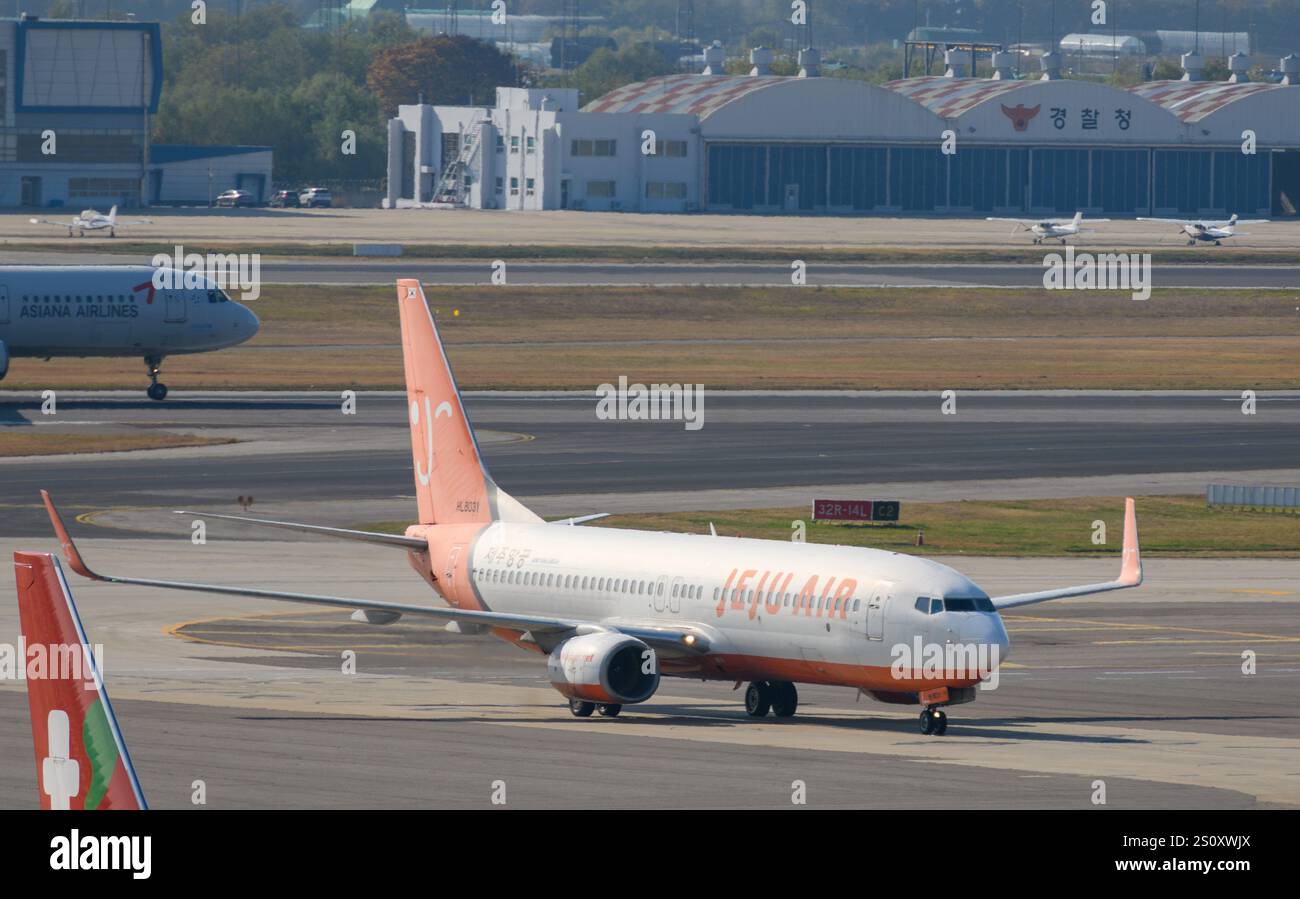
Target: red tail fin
81,757
451,483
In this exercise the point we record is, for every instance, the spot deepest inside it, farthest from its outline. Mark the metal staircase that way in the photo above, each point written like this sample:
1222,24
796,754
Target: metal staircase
453,187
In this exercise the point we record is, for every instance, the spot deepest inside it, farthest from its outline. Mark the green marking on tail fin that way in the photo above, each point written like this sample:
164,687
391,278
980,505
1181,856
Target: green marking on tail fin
101,749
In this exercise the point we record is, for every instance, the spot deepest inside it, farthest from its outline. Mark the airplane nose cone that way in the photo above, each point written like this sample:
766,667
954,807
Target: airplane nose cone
986,629
248,321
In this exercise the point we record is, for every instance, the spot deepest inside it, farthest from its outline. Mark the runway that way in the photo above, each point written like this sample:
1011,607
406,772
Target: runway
1213,274
299,454
1145,692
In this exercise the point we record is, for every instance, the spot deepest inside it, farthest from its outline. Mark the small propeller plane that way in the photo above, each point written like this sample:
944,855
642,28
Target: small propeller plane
1050,229
91,220
1209,232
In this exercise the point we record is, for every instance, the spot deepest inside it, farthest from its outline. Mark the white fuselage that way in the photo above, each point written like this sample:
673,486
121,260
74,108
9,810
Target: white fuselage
1049,230
113,311
794,611
1208,232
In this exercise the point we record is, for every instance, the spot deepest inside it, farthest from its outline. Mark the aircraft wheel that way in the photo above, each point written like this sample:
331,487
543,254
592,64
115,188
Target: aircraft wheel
785,699
157,391
927,722
581,709
1218,243
940,723
758,699
608,709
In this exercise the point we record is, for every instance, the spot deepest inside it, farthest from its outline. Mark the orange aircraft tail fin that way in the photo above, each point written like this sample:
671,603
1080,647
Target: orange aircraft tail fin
452,485
81,757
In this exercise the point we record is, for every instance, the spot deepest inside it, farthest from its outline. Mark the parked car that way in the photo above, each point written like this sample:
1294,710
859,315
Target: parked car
284,199
233,198
315,197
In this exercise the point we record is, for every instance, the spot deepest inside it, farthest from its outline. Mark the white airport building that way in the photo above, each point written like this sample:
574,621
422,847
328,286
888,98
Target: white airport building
761,143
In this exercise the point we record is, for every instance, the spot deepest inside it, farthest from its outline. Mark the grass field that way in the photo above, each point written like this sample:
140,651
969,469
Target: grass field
1178,526
35,443
806,337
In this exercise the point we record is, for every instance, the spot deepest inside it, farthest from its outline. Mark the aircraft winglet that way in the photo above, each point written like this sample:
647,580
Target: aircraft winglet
70,552
1130,572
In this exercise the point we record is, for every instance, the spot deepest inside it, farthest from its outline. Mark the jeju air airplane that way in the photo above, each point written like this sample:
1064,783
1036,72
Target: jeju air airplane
81,756
113,310
612,610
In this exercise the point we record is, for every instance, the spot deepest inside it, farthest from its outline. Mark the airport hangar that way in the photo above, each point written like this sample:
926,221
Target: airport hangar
95,85
761,143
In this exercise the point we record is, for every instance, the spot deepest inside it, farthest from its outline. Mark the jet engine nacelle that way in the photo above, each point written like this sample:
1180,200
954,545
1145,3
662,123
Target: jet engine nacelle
604,667
4,359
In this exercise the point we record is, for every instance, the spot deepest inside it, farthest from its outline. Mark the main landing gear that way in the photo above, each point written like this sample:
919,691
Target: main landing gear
778,697
583,709
934,721
157,390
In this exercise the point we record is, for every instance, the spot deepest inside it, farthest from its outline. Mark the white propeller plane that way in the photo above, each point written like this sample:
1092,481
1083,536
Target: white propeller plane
612,610
1050,229
1209,232
91,220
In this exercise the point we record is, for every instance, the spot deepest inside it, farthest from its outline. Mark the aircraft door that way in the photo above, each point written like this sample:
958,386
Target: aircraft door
449,577
176,306
659,589
880,596
4,304
675,596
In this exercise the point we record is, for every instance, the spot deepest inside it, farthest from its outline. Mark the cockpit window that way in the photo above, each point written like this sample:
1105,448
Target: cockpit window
936,606
969,604
218,296
923,605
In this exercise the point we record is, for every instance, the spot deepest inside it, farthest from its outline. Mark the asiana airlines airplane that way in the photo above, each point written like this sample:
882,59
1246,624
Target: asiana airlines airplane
613,611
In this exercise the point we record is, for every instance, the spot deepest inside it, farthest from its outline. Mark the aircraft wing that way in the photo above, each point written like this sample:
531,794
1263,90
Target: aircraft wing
418,544
1168,221
545,630
1130,574
1017,221
48,222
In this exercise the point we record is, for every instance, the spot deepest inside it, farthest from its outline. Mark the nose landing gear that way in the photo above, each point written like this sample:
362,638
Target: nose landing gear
934,722
157,390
